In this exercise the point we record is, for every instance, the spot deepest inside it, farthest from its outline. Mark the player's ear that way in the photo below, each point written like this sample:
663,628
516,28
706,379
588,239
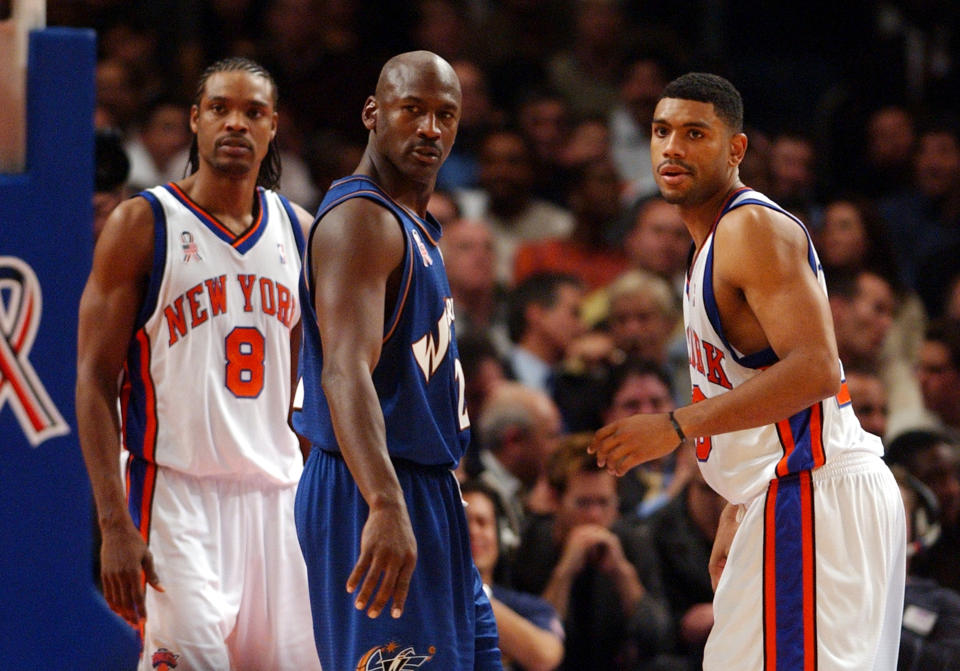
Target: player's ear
194,118
369,113
738,147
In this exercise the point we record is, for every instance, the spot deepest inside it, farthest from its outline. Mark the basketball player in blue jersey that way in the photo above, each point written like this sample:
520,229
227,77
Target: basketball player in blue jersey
379,512
192,305
808,565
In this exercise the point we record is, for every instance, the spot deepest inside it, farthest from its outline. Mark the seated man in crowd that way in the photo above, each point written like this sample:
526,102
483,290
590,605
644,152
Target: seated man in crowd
596,569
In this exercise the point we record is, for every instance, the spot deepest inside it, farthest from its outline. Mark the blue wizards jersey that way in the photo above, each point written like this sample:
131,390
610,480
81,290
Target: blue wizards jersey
418,378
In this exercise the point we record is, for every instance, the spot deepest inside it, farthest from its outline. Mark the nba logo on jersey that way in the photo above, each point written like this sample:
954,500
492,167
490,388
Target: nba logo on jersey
427,261
282,253
387,658
190,250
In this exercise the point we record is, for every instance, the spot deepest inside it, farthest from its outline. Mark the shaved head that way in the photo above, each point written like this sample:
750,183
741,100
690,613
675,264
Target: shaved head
424,66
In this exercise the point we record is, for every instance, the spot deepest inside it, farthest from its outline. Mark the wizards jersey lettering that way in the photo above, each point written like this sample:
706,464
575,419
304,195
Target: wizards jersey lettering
429,352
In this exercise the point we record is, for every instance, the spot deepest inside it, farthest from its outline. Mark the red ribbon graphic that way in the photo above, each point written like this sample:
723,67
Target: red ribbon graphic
20,309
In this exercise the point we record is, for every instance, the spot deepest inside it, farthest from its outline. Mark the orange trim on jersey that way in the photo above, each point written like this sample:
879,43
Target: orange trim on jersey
817,452
843,396
150,399
809,564
770,578
786,439
213,221
403,298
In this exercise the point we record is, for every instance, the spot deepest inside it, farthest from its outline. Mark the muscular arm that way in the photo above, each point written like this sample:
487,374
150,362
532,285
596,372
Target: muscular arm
767,294
108,308
354,253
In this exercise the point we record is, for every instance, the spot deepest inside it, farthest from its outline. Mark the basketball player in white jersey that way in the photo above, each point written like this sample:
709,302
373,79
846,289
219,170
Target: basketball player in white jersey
809,561
192,302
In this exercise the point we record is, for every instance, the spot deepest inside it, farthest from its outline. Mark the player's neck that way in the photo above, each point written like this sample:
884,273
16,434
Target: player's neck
230,199
413,195
701,217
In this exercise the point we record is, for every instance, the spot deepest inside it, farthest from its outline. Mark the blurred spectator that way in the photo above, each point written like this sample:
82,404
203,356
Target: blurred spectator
118,98
156,149
939,373
479,301
930,637
852,238
330,155
444,209
635,387
924,221
441,26
683,532
642,316
543,319
793,177
586,71
518,429
477,116
755,166
506,199
951,309
657,241
934,459
888,162
588,140
483,371
543,117
518,38
110,174
862,304
531,634
596,569
641,83
869,399
585,253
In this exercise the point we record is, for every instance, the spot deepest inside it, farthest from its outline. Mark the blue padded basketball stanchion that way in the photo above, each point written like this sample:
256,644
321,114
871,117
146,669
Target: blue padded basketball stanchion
52,616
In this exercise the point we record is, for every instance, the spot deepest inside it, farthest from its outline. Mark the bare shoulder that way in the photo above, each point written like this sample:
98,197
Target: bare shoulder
126,244
358,227
756,241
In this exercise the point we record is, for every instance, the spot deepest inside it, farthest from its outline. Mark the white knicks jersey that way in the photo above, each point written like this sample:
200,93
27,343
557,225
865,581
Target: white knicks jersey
206,385
740,464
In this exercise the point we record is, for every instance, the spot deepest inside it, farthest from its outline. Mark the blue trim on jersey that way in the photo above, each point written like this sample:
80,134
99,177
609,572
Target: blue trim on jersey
159,260
801,459
294,223
765,357
135,411
249,237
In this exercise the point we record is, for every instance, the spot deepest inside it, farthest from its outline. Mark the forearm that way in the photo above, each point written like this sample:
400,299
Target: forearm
557,591
525,643
787,387
99,430
629,588
361,433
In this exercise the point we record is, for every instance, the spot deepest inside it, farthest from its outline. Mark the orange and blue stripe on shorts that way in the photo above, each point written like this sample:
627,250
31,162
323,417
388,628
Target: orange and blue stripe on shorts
789,576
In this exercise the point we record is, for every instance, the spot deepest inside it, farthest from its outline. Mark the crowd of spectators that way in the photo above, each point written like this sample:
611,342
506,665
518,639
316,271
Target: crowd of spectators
566,267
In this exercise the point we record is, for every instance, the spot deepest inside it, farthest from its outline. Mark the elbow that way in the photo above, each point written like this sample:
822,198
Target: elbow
828,381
